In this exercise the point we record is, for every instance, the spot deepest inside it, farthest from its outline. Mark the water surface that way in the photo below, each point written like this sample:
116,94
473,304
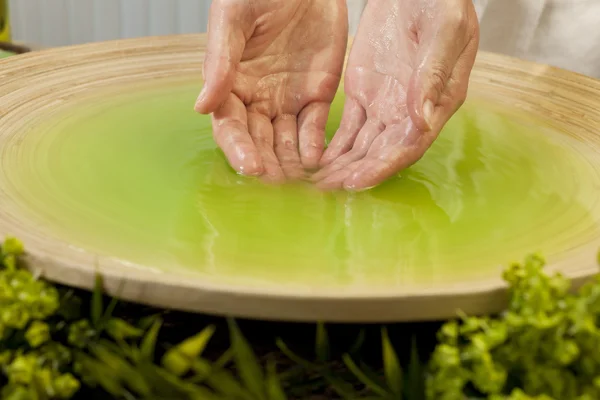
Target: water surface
138,176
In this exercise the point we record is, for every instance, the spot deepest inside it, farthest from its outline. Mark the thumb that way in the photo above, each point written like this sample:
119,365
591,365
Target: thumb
439,50
225,46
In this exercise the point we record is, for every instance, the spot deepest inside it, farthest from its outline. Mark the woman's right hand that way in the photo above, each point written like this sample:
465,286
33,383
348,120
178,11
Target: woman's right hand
271,71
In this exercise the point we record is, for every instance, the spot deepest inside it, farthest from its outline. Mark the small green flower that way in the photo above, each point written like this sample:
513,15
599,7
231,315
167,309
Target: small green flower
44,378
47,301
79,333
55,354
6,291
21,370
15,392
37,334
66,386
14,316
12,246
5,357
10,262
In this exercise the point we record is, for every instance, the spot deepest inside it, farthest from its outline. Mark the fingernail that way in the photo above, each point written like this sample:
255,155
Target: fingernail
201,95
428,112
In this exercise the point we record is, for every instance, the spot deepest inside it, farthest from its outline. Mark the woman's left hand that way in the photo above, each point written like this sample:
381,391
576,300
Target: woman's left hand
407,74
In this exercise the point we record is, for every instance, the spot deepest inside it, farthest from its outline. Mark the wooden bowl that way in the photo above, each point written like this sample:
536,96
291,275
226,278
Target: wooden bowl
33,85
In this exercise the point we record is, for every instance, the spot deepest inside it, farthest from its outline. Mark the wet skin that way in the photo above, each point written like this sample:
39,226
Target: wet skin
271,71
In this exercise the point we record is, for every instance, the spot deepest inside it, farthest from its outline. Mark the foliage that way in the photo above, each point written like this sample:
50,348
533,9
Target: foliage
546,344
54,345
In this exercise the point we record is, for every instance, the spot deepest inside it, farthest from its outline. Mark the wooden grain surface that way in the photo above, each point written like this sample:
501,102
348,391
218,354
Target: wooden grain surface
34,84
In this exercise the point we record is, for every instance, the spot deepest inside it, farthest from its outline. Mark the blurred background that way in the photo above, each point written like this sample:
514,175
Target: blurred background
62,22
563,33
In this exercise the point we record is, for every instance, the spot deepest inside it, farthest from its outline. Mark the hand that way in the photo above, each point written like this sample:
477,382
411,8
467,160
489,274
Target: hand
407,74
272,68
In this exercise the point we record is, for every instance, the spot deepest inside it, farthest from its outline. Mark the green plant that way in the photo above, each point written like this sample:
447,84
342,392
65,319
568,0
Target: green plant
546,344
32,363
51,346
55,343
389,383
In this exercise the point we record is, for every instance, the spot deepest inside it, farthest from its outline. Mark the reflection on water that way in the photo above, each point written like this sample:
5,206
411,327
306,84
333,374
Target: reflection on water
141,179
473,201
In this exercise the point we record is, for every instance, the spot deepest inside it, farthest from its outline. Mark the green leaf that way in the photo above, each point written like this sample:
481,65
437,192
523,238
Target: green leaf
169,386
367,381
224,359
220,380
246,362
120,329
321,343
97,299
145,323
70,306
100,373
274,389
415,377
294,357
391,365
148,345
121,368
358,343
374,375
178,360
341,387
110,309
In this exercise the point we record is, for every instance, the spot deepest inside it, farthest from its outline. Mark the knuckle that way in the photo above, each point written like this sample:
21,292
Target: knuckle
438,76
460,98
461,93
230,10
459,19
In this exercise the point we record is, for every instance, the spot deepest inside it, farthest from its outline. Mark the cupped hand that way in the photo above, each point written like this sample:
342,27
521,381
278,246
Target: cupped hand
271,70
407,74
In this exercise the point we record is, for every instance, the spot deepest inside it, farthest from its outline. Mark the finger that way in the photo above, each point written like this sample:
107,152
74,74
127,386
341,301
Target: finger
285,136
385,160
230,129
311,133
354,117
335,181
370,130
440,47
261,132
225,45
455,93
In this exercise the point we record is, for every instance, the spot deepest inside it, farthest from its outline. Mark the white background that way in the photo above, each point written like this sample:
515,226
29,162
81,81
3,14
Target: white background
563,33
64,22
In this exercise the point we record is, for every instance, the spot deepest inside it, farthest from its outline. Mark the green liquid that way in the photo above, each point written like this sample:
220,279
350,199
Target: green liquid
137,176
